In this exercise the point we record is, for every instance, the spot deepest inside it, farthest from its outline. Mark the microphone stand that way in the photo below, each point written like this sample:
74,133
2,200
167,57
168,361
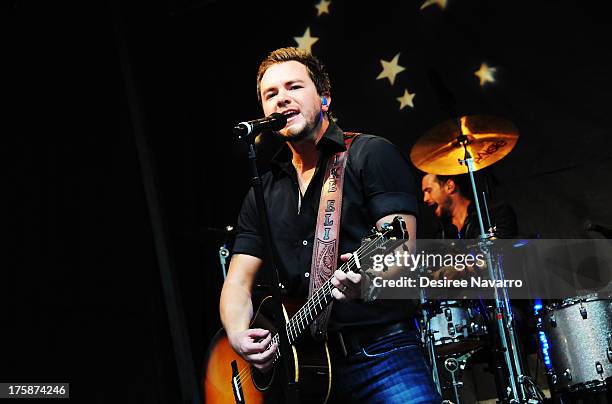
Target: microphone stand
290,388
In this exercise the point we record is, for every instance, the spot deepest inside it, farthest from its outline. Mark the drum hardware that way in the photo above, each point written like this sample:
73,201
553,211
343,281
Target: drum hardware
454,365
568,374
553,376
537,395
427,336
583,312
476,142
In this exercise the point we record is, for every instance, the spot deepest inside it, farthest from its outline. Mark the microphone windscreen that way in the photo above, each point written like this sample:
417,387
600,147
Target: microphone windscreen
279,121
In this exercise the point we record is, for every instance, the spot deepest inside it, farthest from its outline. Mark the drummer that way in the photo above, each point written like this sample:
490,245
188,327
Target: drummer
451,197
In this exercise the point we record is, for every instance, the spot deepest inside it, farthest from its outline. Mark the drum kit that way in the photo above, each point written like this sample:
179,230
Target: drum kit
575,334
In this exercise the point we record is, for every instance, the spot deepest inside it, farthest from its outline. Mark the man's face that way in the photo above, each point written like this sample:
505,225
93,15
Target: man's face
435,195
287,88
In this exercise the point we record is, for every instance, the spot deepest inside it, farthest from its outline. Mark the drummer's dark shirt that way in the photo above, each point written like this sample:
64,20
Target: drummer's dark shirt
503,218
378,182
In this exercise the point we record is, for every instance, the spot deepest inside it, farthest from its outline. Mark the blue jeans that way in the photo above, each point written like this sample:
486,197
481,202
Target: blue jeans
392,370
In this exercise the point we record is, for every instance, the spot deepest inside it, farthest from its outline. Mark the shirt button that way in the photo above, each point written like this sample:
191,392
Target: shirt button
307,275
305,242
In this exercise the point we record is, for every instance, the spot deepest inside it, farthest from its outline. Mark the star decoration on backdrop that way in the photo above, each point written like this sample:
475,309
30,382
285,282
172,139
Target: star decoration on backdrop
406,99
390,69
440,3
323,7
305,41
485,74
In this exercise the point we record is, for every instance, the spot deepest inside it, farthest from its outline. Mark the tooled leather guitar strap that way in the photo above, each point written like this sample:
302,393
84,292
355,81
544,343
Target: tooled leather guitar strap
327,232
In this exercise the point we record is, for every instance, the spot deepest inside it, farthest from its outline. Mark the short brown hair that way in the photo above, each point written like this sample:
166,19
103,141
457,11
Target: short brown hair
315,68
461,181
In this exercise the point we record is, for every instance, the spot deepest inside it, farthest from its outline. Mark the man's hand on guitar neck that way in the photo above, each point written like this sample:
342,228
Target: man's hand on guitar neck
347,285
254,346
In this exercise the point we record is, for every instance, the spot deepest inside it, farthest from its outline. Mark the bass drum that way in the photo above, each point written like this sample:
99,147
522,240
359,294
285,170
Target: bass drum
579,332
456,327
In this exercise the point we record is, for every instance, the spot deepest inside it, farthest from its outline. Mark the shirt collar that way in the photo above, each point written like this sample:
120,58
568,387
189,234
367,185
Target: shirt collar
332,141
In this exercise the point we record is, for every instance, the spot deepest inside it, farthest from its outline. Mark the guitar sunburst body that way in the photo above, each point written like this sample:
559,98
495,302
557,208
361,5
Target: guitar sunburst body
310,366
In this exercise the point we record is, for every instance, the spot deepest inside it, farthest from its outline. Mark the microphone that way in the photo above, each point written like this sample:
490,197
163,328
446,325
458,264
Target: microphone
275,121
605,231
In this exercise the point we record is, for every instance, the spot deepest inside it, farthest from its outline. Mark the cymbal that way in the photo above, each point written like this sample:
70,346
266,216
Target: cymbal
489,139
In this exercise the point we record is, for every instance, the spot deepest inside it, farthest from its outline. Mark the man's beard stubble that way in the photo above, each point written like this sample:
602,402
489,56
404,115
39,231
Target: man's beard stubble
307,131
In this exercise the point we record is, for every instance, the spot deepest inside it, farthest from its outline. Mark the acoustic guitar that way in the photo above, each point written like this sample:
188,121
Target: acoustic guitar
229,379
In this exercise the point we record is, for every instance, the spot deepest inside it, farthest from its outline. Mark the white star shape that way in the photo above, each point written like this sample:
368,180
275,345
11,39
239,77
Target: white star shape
440,3
305,41
390,69
485,74
323,7
406,99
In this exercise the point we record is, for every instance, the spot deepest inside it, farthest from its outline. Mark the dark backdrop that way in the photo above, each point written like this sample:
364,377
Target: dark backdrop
84,300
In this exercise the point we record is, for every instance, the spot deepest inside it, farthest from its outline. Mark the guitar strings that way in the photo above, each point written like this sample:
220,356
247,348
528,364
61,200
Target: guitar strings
319,296
327,287
305,311
247,370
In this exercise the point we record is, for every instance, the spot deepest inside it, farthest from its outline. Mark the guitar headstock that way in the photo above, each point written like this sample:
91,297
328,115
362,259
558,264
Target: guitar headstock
396,230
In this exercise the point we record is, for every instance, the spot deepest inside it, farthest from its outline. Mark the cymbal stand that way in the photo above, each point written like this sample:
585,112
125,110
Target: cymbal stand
484,200
528,386
502,307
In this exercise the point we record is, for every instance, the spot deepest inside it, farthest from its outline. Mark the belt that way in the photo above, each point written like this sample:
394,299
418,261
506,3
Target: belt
351,340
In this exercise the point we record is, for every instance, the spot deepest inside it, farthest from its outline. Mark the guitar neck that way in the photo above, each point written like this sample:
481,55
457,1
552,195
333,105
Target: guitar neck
322,297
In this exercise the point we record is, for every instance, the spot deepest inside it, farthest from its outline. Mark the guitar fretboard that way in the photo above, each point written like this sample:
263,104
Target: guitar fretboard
322,297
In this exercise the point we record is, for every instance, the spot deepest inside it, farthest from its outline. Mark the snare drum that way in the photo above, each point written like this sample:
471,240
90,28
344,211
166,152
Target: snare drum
579,333
456,327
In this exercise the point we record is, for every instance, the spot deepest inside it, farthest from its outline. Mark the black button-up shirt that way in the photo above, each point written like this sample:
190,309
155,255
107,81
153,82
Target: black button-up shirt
503,218
378,181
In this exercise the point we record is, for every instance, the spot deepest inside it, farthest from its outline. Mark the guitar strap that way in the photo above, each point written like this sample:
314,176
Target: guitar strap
327,232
